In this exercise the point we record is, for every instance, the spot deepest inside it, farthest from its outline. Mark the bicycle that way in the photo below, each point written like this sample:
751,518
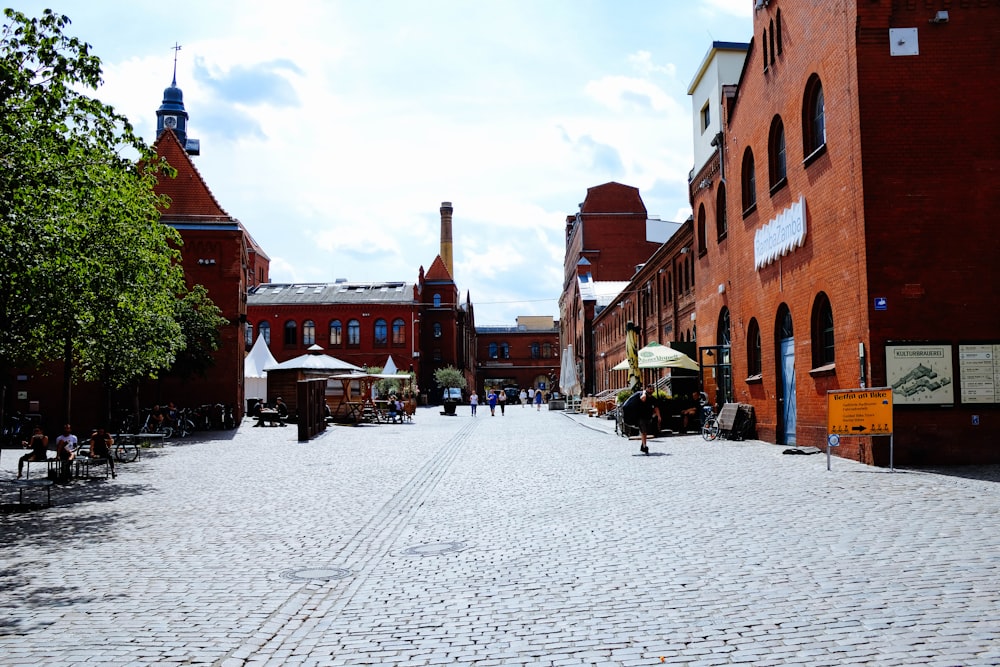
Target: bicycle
184,425
126,449
734,422
710,428
151,426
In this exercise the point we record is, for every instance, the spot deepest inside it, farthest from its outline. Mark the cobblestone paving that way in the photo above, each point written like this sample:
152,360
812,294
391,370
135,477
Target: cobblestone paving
535,538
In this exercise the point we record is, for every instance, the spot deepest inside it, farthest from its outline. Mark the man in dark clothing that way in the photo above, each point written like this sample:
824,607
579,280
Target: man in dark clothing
642,407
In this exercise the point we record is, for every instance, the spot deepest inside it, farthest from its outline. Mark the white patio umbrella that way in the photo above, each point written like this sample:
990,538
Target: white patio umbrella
568,380
655,355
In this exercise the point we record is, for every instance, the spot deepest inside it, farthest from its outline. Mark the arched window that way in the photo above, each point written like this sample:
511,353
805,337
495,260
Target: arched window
437,300
354,332
753,348
822,331
813,118
437,330
536,350
777,29
504,351
494,351
308,333
702,244
291,333
749,182
398,332
721,223
776,154
381,332
785,329
264,329
546,350
336,334
723,334
771,41
248,333
763,47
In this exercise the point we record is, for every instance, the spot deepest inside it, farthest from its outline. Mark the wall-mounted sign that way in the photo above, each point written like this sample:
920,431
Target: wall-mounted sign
881,303
781,235
979,370
920,373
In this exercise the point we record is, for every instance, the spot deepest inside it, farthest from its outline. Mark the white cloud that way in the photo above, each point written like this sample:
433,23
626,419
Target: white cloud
378,112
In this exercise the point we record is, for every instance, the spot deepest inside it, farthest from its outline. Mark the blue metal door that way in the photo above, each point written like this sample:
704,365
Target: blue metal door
787,382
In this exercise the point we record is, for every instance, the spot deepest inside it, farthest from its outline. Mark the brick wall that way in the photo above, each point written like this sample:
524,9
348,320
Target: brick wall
897,207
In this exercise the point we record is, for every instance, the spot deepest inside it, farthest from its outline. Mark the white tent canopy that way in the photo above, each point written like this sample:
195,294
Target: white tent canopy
254,375
390,367
314,361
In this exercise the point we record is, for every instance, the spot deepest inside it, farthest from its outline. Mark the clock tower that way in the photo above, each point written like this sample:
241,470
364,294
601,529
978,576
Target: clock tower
172,116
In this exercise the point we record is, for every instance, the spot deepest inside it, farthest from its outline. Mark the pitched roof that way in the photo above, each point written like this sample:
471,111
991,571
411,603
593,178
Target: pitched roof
190,198
330,293
438,271
613,198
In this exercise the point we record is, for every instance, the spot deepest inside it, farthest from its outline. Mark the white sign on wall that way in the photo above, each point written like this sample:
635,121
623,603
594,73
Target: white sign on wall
781,235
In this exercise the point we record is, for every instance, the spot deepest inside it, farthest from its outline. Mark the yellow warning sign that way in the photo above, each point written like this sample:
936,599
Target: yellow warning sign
859,412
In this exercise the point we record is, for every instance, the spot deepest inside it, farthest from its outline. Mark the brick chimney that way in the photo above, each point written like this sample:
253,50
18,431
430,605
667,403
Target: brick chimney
446,244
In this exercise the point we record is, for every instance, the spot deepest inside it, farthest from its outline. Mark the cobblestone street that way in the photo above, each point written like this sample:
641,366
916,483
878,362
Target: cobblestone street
534,538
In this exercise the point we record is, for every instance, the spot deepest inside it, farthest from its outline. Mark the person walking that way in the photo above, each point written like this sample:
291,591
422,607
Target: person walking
502,400
524,397
642,407
473,401
531,395
492,399
538,400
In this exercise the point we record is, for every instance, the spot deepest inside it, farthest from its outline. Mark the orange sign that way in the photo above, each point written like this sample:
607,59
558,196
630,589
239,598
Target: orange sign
857,412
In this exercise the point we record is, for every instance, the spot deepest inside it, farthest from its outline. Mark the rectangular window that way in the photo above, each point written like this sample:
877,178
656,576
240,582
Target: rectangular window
706,117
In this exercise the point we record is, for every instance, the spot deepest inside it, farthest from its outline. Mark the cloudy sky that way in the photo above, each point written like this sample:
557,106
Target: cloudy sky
334,129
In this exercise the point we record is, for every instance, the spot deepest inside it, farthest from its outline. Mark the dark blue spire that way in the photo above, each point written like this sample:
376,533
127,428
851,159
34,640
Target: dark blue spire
171,114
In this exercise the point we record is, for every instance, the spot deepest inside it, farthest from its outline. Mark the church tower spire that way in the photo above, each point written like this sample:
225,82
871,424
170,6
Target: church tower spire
172,116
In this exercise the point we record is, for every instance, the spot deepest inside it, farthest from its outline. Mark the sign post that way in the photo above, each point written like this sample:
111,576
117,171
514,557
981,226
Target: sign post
855,413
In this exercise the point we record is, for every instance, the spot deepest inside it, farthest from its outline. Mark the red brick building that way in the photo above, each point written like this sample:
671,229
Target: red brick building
605,241
825,257
521,356
660,301
220,254
422,325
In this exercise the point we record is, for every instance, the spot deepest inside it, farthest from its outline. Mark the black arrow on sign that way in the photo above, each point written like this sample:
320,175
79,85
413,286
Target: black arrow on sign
858,428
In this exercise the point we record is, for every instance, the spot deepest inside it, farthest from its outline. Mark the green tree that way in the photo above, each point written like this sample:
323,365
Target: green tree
90,274
449,377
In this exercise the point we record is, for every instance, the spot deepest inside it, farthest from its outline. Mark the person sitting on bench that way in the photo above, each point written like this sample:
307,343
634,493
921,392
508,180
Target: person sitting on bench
692,414
39,445
100,448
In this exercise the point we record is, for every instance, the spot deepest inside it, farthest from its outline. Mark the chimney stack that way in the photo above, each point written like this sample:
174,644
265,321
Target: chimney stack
446,244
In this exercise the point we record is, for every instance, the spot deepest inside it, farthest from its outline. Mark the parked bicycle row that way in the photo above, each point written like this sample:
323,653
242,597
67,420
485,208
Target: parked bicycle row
171,421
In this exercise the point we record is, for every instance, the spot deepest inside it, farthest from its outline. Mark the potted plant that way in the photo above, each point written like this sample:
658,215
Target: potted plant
452,381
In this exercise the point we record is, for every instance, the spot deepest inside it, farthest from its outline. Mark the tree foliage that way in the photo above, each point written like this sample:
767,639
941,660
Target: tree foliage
84,258
449,377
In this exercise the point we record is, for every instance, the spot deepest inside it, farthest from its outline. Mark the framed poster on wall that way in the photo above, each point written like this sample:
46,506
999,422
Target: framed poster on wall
920,373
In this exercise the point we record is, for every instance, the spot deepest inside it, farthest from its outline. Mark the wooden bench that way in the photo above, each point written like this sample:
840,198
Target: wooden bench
269,418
